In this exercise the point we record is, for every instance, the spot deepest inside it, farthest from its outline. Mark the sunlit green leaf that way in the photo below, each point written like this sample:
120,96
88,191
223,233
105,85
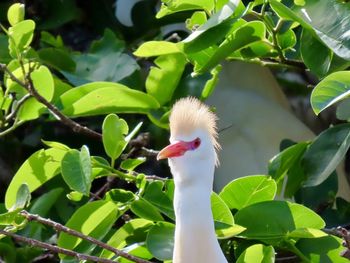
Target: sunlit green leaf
272,221
174,6
324,249
211,83
44,84
35,171
248,190
76,170
307,233
163,79
105,97
258,254
332,89
157,48
146,210
134,230
131,164
113,135
20,36
15,14
221,212
249,33
94,219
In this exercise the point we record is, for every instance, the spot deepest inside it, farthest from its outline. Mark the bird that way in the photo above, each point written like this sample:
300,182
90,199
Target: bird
192,157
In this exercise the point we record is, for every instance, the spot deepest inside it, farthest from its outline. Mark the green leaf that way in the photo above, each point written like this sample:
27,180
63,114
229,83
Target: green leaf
20,36
105,97
160,240
44,203
282,162
197,19
258,254
119,196
138,250
330,21
132,231
94,219
163,79
211,83
75,196
307,233
248,190
4,52
325,153
248,33
332,89
113,135
271,228
324,249
76,170
105,61
146,210
44,84
221,212
287,39
10,218
215,20
174,6
41,206
35,171
159,199
22,197
316,56
157,48
15,14
57,58
224,231
57,145
131,164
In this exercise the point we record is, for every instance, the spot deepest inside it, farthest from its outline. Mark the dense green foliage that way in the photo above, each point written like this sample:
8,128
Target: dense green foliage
45,81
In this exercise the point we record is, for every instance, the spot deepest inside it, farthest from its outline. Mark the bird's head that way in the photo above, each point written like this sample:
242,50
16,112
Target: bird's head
193,137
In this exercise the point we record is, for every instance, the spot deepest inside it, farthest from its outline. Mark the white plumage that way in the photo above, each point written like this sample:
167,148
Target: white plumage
192,158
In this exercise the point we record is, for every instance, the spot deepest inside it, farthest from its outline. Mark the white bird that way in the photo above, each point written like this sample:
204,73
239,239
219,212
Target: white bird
192,157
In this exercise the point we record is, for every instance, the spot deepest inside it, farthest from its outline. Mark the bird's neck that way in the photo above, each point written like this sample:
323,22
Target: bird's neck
195,239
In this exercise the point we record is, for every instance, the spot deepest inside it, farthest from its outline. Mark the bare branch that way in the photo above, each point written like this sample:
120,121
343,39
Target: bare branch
61,228
56,249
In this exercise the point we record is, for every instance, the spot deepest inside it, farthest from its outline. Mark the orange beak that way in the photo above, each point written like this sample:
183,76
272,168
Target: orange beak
174,150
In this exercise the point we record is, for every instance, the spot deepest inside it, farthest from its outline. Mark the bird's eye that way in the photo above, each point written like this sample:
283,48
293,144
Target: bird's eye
196,143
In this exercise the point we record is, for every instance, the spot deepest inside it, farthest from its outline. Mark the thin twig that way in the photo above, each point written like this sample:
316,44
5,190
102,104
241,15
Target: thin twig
17,107
29,86
56,249
61,228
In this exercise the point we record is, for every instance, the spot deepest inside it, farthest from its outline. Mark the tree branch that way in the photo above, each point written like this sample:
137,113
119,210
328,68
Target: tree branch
28,85
61,228
56,249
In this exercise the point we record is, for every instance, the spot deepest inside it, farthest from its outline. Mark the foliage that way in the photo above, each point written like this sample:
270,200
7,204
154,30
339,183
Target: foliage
44,80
